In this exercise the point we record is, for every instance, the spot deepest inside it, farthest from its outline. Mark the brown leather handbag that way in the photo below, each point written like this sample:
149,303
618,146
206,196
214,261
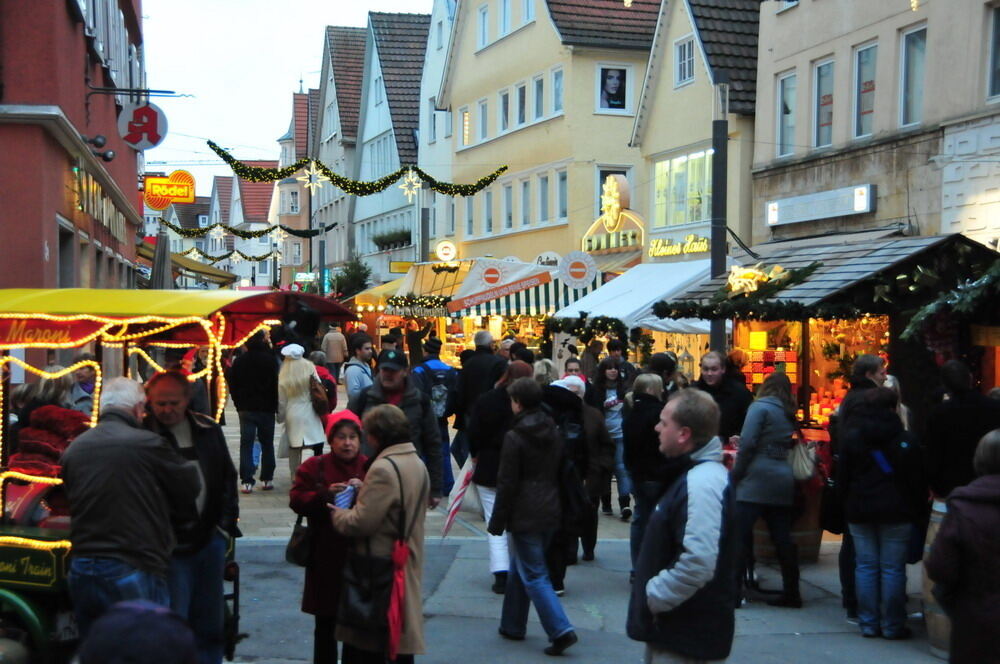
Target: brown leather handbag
317,393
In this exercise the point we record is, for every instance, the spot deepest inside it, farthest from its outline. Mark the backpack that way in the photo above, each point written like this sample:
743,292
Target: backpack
570,425
437,384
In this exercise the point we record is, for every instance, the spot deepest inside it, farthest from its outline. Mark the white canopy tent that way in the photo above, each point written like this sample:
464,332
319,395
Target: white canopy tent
630,297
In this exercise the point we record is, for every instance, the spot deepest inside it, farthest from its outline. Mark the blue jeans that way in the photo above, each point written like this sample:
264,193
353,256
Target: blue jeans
258,426
621,474
880,575
647,494
196,593
97,583
447,477
528,583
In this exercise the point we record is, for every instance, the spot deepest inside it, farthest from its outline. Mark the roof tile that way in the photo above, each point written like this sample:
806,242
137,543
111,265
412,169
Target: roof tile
256,196
224,185
187,213
605,23
728,32
300,123
347,53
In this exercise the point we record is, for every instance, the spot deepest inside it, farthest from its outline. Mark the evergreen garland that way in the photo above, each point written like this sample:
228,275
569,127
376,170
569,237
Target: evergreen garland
965,299
258,173
199,233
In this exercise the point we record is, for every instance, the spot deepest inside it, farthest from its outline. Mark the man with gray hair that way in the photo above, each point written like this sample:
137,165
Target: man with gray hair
683,597
126,488
479,374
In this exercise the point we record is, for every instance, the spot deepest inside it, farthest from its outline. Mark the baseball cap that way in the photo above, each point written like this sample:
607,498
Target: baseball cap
392,359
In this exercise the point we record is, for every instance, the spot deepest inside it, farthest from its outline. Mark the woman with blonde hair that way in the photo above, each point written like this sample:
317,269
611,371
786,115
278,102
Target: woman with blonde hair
303,427
545,372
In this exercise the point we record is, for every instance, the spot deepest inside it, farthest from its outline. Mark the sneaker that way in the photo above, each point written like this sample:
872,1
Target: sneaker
268,486
852,617
626,514
247,487
560,589
561,643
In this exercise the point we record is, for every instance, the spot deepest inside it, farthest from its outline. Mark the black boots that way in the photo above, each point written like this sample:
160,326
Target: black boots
606,504
788,558
623,507
499,582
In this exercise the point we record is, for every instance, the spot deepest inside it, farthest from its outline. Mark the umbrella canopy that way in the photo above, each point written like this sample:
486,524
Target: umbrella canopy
161,276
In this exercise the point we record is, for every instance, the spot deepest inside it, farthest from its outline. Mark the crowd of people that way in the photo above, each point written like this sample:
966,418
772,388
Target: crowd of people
546,453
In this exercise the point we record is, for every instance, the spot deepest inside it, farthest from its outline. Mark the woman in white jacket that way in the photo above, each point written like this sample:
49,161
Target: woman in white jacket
303,427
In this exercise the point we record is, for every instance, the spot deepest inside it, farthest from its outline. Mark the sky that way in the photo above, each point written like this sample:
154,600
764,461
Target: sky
236,64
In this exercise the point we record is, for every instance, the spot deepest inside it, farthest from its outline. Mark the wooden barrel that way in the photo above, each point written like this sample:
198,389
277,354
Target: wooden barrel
938,624
806,533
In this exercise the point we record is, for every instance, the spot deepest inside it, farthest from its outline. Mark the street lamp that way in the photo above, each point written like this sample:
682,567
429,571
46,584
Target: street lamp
720,163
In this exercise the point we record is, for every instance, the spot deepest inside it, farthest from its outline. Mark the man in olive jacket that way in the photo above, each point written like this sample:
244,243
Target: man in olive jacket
392,385
126,488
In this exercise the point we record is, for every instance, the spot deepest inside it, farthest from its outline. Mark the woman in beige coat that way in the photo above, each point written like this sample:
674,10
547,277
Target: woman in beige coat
303,427
375,516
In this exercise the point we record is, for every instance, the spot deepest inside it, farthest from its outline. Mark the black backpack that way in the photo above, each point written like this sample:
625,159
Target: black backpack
438,385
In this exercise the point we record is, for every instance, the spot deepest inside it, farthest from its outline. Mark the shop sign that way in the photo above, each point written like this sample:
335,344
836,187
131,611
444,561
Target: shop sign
843,202
92,200
36,568
142,126
161,192
548,259
617,227
28,331
400,267
577,269
490,294
692,244
446,251
305,276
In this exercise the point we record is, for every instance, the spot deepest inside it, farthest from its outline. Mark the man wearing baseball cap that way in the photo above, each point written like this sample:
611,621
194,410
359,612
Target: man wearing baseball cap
392,385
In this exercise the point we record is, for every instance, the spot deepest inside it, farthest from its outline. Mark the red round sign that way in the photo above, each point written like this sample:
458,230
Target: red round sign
578,269
491,275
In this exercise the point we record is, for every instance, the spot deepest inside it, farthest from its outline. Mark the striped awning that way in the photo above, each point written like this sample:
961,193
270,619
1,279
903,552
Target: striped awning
543,300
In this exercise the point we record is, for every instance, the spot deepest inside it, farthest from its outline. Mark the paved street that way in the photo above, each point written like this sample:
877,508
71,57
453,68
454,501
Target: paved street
462,613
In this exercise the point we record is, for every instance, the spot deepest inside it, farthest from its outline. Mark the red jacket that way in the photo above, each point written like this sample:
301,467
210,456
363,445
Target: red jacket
308,497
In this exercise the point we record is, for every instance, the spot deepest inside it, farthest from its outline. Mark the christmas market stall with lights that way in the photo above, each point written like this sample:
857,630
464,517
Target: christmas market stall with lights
118,325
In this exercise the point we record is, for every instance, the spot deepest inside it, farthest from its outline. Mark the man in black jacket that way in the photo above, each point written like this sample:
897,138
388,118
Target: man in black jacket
479,374
730,394
253,384
196,590
682,603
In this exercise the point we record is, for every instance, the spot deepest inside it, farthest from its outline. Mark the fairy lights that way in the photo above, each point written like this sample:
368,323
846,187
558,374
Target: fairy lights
38,545
410,186
312,179
35,479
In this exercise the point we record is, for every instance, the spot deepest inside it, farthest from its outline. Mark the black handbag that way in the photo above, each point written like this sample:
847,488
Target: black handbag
573,498
299,547
831,509
367,579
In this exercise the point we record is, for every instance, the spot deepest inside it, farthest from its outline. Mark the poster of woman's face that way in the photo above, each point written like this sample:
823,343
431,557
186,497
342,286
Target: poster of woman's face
613,86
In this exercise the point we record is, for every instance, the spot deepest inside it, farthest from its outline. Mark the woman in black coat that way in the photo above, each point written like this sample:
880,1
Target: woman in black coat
646,466
880,472
488,423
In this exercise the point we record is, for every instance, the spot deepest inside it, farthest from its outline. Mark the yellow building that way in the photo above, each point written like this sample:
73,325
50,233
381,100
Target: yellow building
549,88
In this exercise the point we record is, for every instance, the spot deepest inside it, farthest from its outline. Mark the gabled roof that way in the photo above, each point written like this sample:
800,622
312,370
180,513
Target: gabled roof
256,196
223,184
728,33
400,42
314,119
605,23
300,123
187,213
347,54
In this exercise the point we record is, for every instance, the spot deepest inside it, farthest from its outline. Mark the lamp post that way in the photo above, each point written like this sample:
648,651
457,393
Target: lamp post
720,163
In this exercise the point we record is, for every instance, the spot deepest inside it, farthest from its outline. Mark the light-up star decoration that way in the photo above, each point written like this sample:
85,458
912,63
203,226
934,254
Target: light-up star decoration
281,235
611,205
411,185
312,178
217,233
235,258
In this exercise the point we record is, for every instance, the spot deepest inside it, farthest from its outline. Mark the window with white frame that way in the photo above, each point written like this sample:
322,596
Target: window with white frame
447,124
466,128
264,240
864,89
562,194
296,253
613,91
432,205
451,217
557,91
911,101
503,109
994,82
202,220
823,104
263,267
786,114
283,201
684,60
293,203
469,216
504,17
484,120
525,202
487,212
682,187
439,33
508,206
527,11
521,103
539,97
431,121
483,32
378,91
543,198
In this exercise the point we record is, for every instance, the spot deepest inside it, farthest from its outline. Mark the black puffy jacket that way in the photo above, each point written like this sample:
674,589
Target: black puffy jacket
642,444
488,423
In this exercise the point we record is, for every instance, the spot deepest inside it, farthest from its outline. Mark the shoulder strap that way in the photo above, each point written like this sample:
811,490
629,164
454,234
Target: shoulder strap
404,532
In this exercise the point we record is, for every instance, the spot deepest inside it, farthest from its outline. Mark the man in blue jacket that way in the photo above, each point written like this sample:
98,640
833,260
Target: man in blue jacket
682,603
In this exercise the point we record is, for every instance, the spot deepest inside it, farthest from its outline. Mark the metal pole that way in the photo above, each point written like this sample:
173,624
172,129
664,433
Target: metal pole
720,164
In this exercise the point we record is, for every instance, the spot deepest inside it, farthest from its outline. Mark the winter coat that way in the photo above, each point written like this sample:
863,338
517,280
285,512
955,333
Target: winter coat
334,346
600,453
527,499
478,376
357,376
853,400
733,399
762,473
253,380
870,494
683,595
642,444
81,400
222,509
328,548
953,431
375,517
424,430
486,427
415,343
302,425
566,410
963,564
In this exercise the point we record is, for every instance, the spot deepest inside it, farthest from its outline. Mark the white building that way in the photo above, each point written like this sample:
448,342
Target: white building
249,211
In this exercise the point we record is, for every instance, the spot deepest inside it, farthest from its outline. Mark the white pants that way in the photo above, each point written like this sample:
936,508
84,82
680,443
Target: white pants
499,558
654,656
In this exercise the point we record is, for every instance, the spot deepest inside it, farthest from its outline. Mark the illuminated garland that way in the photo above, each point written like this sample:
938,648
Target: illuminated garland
422,301
236,255
451,268
964,300
199,233
347,185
